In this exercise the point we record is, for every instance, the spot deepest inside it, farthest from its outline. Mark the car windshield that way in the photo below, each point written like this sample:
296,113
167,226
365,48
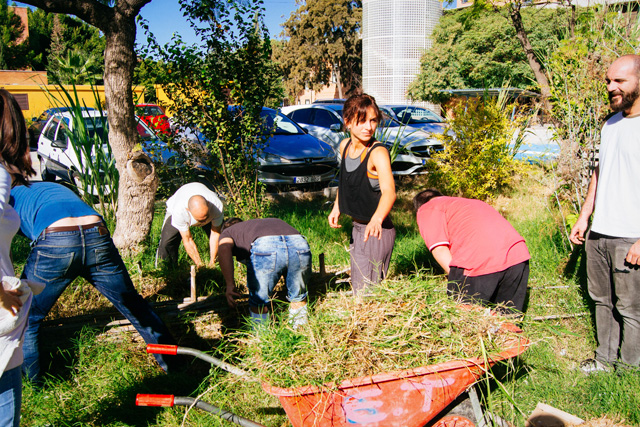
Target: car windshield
94,125
149,110
416,115
278,124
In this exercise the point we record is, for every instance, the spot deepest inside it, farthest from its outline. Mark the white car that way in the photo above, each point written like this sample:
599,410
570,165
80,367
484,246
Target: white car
59,159
324,121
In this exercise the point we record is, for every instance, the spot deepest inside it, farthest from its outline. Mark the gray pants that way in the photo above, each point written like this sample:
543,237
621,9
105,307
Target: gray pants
614,286
370,259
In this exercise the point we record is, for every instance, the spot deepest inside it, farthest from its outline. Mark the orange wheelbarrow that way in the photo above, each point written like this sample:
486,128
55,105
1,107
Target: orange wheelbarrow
408,398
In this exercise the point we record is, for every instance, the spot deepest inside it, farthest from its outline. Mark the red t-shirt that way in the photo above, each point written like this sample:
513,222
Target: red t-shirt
481,241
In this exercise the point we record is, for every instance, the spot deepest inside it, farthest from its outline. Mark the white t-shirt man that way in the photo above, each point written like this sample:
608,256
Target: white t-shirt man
617,204
177,207
184,215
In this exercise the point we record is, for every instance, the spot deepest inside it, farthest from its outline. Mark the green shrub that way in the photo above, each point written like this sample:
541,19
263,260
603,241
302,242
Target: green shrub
478,158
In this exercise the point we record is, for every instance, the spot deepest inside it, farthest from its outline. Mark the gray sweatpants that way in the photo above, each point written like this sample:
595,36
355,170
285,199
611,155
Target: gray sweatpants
614,286
370,259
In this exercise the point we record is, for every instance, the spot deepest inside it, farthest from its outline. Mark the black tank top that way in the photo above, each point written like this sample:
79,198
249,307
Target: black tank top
356,197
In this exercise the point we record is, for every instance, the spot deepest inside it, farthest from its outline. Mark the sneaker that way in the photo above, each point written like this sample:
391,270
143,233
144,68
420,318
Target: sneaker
591,366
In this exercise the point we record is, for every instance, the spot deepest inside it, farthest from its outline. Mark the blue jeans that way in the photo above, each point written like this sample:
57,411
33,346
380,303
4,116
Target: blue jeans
10,397
56,259
273,257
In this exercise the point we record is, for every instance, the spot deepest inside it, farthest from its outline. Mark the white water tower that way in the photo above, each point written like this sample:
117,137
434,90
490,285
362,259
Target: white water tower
394,37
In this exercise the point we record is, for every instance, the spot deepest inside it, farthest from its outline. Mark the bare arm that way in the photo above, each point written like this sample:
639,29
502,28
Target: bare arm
334,216
581,225
382,166
442,255
214,237
191,248
225,259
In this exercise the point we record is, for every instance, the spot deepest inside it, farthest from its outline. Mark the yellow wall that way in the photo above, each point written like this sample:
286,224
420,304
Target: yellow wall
39,100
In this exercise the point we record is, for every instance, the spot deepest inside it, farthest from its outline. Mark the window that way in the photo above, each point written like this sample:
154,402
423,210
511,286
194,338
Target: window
304,116
324,119
50,131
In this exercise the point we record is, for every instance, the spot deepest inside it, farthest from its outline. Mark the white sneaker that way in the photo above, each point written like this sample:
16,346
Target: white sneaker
591,366
298,317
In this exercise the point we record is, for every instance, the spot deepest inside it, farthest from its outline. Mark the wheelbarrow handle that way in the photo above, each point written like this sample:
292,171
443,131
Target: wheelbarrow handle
171,400
155,400
174,349
162,349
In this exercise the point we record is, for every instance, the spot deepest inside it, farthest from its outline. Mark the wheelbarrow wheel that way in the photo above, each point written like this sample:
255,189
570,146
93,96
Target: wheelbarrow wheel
454,421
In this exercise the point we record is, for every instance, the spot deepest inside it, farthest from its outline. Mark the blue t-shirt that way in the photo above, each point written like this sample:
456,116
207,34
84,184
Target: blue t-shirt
43,203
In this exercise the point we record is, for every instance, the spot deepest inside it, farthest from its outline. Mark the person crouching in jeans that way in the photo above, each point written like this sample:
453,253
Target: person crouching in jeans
270,248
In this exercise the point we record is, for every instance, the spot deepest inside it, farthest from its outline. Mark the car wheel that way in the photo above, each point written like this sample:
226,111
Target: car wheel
45,175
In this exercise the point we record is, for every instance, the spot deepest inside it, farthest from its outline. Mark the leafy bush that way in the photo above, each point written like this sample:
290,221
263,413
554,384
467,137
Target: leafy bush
478,158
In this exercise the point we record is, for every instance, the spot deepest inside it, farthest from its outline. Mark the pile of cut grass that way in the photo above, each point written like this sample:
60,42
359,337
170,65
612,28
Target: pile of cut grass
403,325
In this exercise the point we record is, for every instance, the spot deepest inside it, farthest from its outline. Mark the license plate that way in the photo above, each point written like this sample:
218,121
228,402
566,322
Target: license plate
307,179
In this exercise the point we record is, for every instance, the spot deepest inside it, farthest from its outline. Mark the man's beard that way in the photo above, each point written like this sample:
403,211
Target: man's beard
626,101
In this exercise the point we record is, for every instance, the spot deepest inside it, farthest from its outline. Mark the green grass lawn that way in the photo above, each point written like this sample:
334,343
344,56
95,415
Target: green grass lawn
96,377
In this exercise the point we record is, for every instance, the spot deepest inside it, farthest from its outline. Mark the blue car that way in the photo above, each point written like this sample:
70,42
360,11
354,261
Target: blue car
290,157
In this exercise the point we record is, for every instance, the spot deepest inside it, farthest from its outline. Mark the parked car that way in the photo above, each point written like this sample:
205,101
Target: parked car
37,124
325,122
416,117
291,158
330,101
154,116
55,151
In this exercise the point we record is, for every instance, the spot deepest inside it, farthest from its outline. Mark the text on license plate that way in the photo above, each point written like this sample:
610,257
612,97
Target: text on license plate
307,179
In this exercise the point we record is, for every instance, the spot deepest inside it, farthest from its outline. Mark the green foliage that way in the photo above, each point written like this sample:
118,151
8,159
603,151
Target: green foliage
77,67
322,44
11,51
577,71
478,159
97,179
478,48
232,68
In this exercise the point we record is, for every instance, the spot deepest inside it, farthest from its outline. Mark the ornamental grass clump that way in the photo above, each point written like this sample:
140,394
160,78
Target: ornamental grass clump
402,325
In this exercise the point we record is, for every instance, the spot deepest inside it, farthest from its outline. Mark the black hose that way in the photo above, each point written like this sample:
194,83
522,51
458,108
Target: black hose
190,401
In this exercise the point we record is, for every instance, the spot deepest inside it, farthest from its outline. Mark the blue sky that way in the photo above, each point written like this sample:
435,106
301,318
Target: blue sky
165,19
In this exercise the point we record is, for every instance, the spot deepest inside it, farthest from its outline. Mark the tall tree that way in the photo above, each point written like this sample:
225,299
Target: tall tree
514,7
138,181
324,45
477,48
10,31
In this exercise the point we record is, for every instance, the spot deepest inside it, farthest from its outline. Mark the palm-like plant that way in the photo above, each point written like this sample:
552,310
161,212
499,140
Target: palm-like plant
77,68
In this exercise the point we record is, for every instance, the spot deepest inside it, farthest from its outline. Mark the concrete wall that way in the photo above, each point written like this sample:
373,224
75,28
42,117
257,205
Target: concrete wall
34,99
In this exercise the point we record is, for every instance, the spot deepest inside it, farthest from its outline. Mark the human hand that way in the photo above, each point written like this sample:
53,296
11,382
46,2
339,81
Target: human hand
373,229
334,216
10,301
633,256
577,231
231,294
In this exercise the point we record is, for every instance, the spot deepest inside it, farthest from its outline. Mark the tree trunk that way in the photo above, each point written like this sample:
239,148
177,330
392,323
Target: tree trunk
536,67
336,72
138,180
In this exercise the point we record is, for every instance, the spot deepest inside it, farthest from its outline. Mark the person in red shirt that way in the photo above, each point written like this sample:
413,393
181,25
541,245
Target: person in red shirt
487,261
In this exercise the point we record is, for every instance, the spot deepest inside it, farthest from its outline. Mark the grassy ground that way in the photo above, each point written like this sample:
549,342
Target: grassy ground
96,376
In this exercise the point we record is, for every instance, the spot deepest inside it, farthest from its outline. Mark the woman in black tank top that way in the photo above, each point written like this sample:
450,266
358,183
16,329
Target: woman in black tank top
373,233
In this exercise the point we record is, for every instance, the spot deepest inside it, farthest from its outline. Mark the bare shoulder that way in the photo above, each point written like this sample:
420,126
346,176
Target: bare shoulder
380,152
343,144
